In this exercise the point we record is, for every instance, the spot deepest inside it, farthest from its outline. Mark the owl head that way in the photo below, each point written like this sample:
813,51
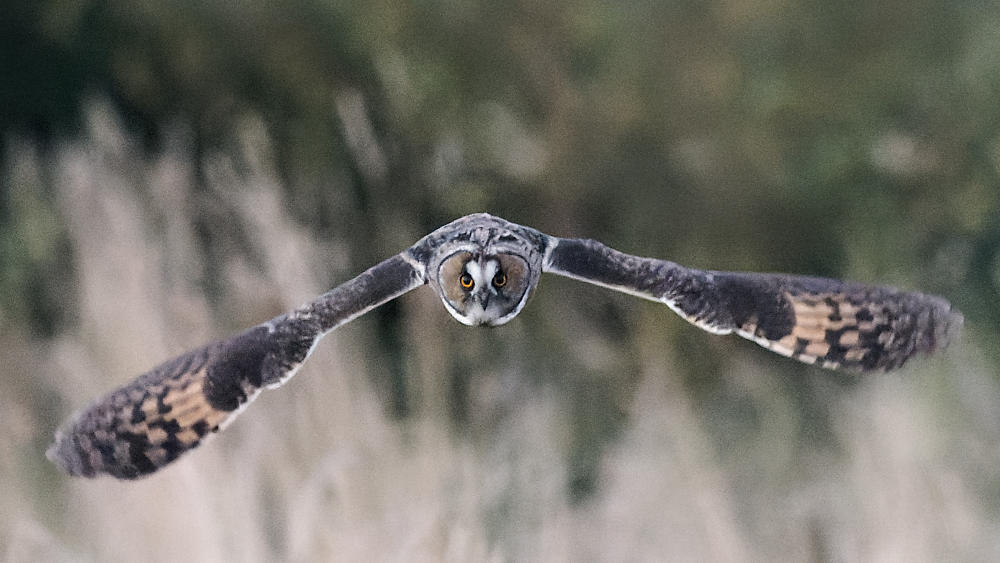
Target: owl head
484,276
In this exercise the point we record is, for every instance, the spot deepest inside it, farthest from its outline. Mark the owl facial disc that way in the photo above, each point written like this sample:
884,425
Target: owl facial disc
479,289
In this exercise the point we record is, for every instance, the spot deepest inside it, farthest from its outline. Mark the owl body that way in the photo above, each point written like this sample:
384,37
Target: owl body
485,269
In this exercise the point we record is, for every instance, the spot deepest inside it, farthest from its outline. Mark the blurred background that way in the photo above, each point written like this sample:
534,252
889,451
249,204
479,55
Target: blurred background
175,172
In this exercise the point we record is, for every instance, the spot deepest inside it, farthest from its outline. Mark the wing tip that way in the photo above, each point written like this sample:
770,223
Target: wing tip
948,326
66,455
955,322
911,325
937,327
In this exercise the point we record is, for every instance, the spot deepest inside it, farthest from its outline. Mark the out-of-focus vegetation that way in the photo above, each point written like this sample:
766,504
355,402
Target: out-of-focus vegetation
173,172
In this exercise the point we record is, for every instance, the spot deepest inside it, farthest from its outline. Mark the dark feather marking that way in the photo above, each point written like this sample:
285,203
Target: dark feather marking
837,352
754,300
136,445
237,368
138,415
161,415
201,428
884,326
161,407
166,412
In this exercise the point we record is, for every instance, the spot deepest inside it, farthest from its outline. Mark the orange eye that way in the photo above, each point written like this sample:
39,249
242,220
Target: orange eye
500,279
466,281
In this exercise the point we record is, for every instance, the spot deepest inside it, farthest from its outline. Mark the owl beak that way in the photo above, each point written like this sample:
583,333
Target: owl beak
484,299
477,313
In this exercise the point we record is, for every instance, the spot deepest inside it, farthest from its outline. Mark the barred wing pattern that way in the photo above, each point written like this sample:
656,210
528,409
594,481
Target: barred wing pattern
148,423
138,428
820,321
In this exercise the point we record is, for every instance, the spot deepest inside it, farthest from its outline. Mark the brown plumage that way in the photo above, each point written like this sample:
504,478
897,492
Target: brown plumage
484,269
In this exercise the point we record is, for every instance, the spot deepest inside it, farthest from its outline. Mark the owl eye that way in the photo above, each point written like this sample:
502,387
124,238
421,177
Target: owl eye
467,281
500,279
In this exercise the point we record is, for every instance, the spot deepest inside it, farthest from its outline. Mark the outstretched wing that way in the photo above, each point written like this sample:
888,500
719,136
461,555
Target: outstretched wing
146,424
820,321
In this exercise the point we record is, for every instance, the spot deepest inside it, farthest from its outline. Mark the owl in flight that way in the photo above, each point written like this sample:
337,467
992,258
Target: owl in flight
484,269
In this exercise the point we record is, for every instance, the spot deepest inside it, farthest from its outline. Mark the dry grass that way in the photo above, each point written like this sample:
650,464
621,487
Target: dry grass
317,471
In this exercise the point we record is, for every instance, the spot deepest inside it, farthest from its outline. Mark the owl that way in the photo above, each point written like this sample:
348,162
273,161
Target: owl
485,269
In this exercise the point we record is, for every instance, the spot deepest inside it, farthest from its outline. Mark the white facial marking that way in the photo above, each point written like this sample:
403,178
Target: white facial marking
475,313
491,269
475,271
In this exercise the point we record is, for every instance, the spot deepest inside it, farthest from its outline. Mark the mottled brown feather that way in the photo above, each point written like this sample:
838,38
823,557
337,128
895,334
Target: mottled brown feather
148,423
836,324
819,321
142,426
